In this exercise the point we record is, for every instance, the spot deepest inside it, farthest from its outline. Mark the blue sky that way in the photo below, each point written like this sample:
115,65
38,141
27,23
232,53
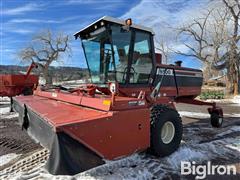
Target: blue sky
21,20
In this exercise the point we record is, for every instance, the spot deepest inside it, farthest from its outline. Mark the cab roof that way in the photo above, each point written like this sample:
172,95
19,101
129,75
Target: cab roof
112,20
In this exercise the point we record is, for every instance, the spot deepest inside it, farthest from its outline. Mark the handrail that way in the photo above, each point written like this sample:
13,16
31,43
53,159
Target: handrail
157,88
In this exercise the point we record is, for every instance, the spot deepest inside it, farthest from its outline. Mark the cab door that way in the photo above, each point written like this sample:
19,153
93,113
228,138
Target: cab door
141,66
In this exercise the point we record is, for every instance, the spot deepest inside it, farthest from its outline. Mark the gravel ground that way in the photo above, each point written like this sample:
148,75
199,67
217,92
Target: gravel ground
21,158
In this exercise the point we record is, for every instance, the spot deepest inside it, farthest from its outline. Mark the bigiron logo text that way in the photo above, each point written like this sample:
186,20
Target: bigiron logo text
201,171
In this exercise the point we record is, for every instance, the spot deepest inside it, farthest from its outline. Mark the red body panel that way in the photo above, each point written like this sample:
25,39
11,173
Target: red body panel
58,113
95,102
121,134
165,91
12,85
110,134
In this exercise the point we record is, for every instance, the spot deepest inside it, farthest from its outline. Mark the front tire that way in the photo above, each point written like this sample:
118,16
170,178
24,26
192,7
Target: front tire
216,120
166,130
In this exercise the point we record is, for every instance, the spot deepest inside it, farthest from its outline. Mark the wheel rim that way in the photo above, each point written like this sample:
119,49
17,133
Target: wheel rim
220,120
167,132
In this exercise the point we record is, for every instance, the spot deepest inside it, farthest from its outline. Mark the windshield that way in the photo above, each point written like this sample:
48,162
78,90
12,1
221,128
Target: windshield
106,53
98,54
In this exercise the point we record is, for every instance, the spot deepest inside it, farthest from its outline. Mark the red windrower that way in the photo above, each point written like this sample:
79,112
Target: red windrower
128,108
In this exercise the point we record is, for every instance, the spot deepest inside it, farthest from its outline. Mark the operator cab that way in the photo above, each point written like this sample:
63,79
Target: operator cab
116,51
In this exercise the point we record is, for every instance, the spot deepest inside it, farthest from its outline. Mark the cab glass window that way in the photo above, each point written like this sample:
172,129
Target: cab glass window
121,40
142,58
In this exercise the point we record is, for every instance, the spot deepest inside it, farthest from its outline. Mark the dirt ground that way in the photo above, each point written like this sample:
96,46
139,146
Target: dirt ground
201,143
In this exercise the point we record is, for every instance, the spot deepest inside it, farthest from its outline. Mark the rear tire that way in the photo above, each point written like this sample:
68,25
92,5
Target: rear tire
216,120
166,130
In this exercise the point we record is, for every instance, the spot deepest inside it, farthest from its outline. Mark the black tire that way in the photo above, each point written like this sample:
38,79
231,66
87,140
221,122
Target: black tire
160,114
27,91
216,120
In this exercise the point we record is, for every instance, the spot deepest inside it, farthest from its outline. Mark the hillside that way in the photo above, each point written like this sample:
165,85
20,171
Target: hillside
58,73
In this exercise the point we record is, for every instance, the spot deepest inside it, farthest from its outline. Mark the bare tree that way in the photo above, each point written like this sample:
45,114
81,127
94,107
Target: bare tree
196,32
165,50
234,62
44,50
207,35
211,41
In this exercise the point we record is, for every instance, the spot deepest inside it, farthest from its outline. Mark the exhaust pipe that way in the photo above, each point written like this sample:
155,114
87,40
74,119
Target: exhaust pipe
178,63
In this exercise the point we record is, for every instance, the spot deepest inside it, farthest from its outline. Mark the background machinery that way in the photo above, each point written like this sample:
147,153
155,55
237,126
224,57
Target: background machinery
16,84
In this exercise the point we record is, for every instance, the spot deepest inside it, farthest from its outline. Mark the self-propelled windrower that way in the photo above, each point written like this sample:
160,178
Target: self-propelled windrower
127,108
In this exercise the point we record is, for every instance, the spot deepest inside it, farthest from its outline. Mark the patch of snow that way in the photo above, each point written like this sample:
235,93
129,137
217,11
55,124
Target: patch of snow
7,158
71,83
9,115
4,102
4,110
125,168
232,115
231,130
4,99
111,165
204,115
185,153
234,104
6,114
194,114
236,99
35,172
217,100
235,145
120,173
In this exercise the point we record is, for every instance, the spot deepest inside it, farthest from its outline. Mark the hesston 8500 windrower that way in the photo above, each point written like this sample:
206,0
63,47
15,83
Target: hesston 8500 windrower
128,108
